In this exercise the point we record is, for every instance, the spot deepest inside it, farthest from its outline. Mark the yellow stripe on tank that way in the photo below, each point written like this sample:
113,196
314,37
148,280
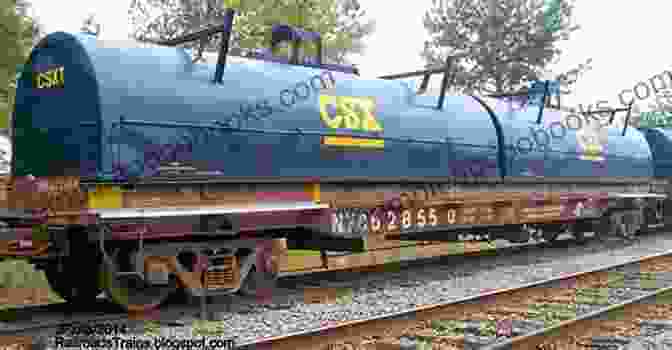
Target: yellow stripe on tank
344,141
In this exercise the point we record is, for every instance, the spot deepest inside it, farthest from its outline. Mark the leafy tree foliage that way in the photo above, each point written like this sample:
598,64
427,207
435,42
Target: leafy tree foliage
90,25
340,22
498,45
553,16
18,32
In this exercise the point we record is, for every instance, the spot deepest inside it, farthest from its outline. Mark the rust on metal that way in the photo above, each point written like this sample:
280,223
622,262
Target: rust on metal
227,277
24,248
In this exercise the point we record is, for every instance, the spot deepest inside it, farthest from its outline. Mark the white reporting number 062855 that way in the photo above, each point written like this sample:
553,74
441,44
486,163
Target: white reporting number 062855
423,217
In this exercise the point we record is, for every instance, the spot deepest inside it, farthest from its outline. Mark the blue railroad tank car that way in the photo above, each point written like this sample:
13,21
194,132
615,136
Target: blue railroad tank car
564,144
130,97
660,141
118,142
173,103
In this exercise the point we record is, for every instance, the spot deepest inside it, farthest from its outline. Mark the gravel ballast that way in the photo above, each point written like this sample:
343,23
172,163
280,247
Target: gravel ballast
369,295
395,291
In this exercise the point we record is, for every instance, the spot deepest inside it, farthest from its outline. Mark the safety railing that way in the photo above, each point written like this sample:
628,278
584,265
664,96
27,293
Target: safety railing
280,33
546,89
426,74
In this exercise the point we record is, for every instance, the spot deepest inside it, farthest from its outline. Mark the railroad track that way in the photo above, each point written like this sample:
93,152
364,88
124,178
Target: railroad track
643,322
291,285
34,320
516,318
44,320
639,323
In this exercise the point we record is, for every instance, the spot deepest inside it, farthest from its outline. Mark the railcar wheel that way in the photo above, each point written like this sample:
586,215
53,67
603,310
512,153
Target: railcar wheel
550,236
75,283
76,279
262,277
578,230
550,232
580,237
522,234
258,284
130,291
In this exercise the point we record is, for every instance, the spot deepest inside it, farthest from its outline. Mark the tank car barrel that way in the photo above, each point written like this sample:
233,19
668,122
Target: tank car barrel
295,152
297,131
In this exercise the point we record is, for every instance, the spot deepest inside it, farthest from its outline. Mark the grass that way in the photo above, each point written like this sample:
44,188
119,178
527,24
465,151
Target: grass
344,296
208,328
152,329
424,345
457,328
201,328
301,252
595,296
552,314
447,327
451,328
18,275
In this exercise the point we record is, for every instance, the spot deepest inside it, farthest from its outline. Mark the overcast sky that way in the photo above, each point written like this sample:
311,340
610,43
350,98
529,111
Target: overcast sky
622,39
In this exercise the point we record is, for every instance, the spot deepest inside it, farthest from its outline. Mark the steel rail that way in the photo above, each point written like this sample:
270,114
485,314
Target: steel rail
289,284
8,329
324,336
60,316
530,341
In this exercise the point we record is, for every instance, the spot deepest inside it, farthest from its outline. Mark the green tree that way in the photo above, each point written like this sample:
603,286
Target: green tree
499,45
19,32
553,16
341,22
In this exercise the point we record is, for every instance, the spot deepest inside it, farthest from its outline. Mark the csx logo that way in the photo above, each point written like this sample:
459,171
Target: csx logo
354,113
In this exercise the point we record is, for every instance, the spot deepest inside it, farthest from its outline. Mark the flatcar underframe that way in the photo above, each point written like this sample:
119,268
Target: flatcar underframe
139,262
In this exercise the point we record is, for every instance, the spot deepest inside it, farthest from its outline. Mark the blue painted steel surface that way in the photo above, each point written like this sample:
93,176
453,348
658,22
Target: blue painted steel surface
569,148
159,84
661,144
55,128
79,129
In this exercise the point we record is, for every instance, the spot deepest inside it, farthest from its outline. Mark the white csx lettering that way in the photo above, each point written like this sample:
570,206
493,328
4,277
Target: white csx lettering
350,221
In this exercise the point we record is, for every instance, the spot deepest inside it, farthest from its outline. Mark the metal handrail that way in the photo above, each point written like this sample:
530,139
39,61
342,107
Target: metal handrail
298,131
426,73
225,29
